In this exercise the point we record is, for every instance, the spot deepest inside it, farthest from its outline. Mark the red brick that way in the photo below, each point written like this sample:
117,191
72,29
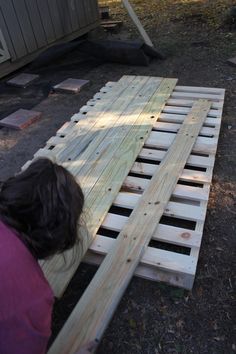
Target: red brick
70,85
20,119
22,80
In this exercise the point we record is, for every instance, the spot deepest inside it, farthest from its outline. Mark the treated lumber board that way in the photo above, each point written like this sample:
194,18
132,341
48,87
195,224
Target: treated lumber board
104,144
173,209
185,110
164,140
179,118
88,133
138,185
189,102
174,127
153,273
171,234
92,314
149,169
103,109
103,244
210,90
193,160
107,187
137,23
89,136
70,130
200,224
207,96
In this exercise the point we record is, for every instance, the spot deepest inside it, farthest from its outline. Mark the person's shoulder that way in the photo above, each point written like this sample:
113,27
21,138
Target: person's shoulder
22,280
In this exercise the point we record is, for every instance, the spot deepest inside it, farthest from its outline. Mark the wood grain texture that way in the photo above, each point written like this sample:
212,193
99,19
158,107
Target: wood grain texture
100,195
90,317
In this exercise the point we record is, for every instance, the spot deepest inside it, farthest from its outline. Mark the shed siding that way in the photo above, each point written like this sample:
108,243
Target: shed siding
30,25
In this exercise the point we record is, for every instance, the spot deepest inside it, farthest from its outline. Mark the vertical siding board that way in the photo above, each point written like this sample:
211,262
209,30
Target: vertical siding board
29,25
88,11
56,18
85,11
66,22
36,23
80,13
46,20
13,27
25,25
7,37
73,15
95,10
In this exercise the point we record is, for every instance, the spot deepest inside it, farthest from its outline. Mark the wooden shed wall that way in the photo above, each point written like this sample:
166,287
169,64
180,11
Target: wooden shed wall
28,26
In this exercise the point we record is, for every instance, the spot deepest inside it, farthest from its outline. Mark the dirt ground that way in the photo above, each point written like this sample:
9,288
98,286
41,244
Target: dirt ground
152,318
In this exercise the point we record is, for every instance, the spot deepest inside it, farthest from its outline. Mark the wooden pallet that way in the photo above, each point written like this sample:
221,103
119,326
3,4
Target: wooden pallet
173,252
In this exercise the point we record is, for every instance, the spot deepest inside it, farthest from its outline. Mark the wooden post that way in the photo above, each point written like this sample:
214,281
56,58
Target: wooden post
137,23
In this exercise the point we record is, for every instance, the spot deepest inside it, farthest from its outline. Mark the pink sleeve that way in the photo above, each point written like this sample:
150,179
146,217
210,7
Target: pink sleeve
27,333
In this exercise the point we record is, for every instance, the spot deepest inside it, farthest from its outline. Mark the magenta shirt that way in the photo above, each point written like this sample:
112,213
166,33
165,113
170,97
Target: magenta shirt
26,299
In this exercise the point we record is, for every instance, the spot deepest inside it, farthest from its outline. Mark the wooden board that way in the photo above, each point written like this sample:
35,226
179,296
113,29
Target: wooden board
190,200
184,219
173,252
137,22
118,148
92,314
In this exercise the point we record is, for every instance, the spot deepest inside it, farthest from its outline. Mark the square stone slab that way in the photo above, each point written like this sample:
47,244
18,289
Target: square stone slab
22,80
232,61
20,119
71,85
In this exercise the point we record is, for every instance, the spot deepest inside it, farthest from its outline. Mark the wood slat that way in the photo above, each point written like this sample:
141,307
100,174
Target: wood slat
153,273
189,102
185,110
167,233
210,90
92,314
173,209
193,160
164,140
174,127
138,185
36,23
179,118
166,260
13,28
102,194
25,25
83,127
149,169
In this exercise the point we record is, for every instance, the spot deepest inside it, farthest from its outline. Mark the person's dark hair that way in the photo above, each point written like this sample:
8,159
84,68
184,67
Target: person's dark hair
43,204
